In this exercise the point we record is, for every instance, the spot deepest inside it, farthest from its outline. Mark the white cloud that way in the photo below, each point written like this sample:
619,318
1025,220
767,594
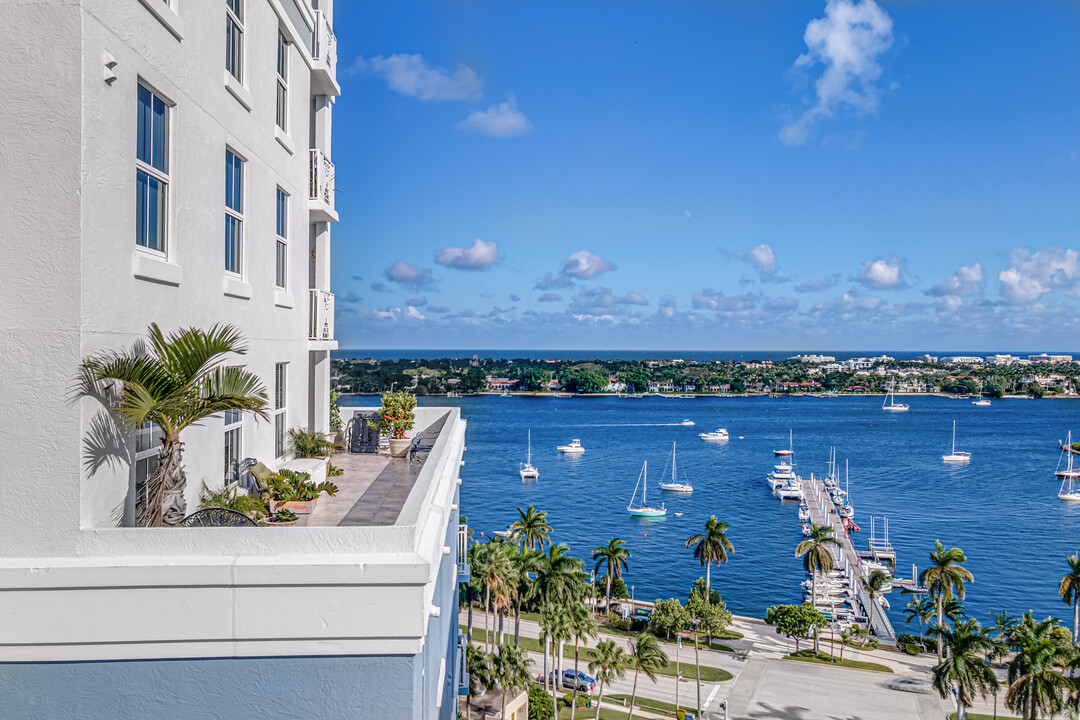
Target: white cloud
950,303
848,42
882,274
632,298
409,275
410,75
585,265
1032,275
503,120
764,259
414,313
818,285
718,302
480,256
551,282
968,280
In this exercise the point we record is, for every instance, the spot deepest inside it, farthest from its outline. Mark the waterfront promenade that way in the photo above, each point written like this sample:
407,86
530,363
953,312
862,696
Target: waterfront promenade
764,685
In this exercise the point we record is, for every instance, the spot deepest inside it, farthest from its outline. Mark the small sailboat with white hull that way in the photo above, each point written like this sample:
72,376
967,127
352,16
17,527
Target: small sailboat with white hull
527,471
673,485
956,456
1070,487
644,509
890,404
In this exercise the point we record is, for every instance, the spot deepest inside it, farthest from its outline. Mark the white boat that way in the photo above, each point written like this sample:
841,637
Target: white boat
890,404
528,472
673,485
644,509
791,490
1068,491
804,513
956,456
806,529
720,434
790,450
574,448
981,401
687,423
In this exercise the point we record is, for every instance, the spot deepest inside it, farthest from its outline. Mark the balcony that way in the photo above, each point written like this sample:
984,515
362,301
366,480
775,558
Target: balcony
321,188
321,321
324,55
463,554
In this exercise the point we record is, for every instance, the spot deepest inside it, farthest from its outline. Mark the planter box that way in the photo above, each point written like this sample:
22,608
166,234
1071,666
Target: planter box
300,507
280,524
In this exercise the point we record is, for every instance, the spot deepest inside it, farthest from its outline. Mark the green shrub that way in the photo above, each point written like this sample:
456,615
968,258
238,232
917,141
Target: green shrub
290,486
332,471
284,515
396,416
306,444
540,705
582,700
618,623
230,499
909,644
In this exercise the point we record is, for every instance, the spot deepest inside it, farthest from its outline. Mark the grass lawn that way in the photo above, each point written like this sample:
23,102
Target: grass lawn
708,674
585,713
976,716
657,705
825,659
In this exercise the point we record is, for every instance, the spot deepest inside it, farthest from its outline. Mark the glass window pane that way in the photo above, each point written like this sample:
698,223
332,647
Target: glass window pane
153,213
145,121
228,179
233,239
141,182
279,434
281,265
159,135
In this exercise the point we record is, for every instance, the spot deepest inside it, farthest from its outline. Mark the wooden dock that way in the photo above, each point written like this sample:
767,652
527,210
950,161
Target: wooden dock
822,512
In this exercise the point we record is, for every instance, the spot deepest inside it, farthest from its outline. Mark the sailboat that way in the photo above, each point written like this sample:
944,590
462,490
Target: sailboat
643,510
981,401
790,449
890,404
528,472
956,456
1069,476
674,485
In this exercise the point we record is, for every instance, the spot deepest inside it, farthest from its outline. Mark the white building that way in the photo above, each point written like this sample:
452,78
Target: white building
815,359
962,360
1003,360
1051,359
157,169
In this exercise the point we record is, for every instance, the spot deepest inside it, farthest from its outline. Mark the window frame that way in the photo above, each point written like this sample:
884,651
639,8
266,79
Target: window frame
162,177
281,97
234,427
234,38
281,239
234,214
140,457
281,397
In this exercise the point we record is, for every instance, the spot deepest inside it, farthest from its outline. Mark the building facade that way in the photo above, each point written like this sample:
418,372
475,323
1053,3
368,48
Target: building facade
169,162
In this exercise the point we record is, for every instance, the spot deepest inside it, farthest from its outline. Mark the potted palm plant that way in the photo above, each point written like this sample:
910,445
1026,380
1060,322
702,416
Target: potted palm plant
294,491
395,419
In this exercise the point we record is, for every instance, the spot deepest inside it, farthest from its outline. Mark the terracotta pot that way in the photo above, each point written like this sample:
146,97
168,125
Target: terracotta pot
269,523
399,448
300,507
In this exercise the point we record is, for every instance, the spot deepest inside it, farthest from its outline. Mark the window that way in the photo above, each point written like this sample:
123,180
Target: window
234,212
147,453
234,38
282,82
280,377
234,444
281,273
151,171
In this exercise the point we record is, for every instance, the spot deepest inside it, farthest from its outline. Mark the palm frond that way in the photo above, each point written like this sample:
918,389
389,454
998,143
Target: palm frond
190,353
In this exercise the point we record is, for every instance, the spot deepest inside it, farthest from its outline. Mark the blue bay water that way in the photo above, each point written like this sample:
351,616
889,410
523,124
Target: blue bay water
1002,509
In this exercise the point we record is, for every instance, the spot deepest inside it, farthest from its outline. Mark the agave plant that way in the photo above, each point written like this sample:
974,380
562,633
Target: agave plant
174,382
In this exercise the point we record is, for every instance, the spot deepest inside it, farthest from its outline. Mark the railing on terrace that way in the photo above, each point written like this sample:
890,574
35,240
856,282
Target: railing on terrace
463,554
321,323
462,666
321,180
324,43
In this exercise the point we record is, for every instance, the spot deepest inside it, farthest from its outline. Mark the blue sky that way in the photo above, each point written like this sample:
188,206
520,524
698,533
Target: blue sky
708,175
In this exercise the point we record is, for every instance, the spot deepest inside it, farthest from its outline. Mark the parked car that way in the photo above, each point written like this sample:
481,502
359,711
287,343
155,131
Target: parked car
583,682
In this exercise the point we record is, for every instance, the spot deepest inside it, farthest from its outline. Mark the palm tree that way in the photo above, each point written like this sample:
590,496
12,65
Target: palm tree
612,557
919,608
953,609
817,557
711,547
174,383
965,667
647,657
1003,626
582,626
510,667
498,573
608,665
554,628
562,575
947,576
1069,589
531,530
477,571
479,664
528,564
1035,681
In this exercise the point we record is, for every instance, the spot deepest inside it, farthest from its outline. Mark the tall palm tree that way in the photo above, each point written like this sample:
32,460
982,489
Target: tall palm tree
582,626
510,667
1003,626
953,610
531,529
608,665
477,571
479,664
645,657
1036,682
816,552
528,563
174,382
711,547
965,667
947,576
612,557
919,608
562,575
554,629
498,573
1069,590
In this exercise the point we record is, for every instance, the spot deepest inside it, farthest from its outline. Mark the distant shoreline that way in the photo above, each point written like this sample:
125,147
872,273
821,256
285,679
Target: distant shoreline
566,395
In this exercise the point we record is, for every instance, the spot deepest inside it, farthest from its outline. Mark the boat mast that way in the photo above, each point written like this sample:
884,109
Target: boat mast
528,458
645,485
953,437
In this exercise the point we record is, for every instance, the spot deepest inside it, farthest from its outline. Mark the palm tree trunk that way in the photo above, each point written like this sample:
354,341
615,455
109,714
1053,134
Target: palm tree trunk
607,605
573,702
468,594
546,640
940,619
499,636
1076,614
599,697
708,578
517,622
633,697
813,600
487,612
173,508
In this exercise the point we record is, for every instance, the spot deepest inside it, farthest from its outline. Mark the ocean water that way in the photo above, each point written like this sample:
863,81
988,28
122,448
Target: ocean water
697,355
1002,509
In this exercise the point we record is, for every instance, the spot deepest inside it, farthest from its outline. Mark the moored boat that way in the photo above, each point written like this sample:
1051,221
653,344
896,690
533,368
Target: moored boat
574,448
718,435
644,509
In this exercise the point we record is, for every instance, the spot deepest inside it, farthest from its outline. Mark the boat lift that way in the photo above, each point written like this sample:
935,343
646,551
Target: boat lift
881,550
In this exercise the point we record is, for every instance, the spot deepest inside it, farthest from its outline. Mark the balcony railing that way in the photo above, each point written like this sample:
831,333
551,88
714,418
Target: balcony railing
321,187
462,666
321,324
324,53
463,554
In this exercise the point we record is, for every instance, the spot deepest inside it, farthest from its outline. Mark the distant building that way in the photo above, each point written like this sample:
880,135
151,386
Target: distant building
926,359
494,383
1051,359
816,359
962,360
1004,360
